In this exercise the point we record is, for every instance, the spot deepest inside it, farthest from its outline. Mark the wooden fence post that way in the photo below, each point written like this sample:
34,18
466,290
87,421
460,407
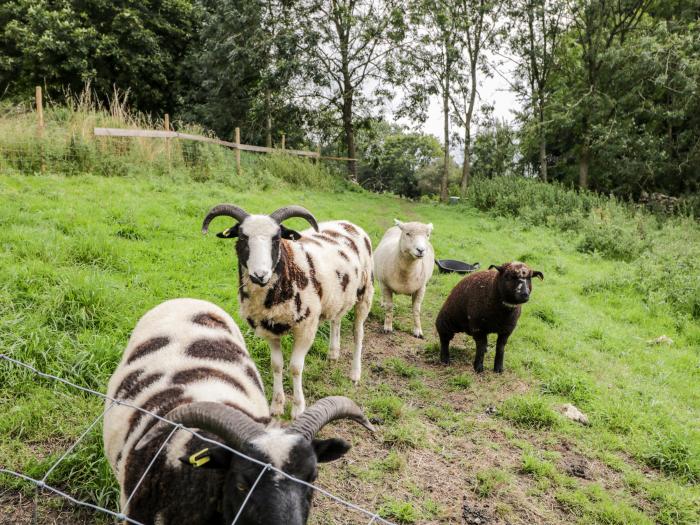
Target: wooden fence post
166,127
283,140
39,111
40,124
318,154
237,140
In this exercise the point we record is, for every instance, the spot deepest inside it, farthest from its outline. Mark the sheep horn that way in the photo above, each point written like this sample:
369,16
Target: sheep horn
231,425
229,210
287,212
326,410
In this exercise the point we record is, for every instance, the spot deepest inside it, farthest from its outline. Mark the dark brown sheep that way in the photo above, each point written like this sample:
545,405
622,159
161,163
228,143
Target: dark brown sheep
485,303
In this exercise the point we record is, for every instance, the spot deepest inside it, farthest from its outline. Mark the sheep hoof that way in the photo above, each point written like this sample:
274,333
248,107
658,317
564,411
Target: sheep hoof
334,355
387,330
297,410
418,335
478,369
498,369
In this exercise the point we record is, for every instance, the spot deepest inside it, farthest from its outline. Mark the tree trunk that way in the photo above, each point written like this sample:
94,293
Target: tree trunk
467,165
543,159
268,119
584,162
349,136
446,113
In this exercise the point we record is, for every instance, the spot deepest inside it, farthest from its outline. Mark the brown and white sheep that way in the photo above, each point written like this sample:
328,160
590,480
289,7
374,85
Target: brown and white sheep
289,282
485,303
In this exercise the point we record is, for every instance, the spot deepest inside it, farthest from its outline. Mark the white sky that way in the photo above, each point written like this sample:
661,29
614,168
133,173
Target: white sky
494,90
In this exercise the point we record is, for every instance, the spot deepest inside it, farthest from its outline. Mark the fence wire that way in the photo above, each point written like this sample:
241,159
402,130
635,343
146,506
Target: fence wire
41,483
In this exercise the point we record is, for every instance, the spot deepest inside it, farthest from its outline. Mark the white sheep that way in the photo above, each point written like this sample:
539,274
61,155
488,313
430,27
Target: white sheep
403,264
290,282
187,362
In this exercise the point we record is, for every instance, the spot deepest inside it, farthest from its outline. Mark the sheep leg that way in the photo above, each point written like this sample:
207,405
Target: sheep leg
445,339
334,350
417,302
481,341
277,405
303,339
500,353
388,304
361,311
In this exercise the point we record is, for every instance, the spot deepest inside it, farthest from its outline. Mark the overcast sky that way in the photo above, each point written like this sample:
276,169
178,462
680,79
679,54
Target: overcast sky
494,90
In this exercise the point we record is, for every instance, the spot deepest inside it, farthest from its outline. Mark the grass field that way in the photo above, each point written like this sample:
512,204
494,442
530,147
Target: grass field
84,257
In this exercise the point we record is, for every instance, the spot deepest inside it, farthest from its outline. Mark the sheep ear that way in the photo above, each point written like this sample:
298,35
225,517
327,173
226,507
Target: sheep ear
231,233
499,268
287,233
430,228
538,274
330,449
398,223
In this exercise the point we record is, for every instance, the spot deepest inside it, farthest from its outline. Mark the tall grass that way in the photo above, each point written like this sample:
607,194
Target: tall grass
67,146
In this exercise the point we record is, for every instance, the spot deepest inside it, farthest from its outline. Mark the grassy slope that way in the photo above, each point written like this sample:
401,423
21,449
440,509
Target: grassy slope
82,258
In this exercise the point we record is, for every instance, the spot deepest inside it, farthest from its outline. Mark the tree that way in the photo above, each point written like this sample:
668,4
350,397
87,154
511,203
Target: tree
537,26
431,61
479,24
348,45
397,161
597,26
135,46
245,65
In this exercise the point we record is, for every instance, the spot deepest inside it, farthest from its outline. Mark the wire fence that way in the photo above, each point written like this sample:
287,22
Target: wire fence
41,484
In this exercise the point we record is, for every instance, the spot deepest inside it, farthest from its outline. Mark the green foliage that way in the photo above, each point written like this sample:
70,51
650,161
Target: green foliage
135,47
397,162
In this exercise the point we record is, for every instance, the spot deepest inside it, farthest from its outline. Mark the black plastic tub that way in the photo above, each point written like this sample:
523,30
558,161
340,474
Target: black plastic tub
452,266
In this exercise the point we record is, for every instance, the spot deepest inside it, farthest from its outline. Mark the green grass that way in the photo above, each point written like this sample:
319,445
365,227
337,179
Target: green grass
82,257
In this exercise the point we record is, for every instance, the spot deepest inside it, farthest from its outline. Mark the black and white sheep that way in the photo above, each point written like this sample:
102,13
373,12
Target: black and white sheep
186,361
403,264
485,303
290,281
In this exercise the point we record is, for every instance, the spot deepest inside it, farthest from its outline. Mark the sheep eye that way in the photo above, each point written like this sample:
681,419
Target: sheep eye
242,487
408,234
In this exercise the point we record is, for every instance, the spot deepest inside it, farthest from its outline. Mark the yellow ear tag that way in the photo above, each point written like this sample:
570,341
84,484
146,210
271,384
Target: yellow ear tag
198,458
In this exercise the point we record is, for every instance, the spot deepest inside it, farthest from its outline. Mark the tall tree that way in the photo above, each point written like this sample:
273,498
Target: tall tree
478,29
598,25
244,64
136,46
537,27
430,62
348,44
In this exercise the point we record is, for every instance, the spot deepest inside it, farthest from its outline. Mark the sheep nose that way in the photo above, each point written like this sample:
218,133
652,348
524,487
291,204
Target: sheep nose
420,251
259,278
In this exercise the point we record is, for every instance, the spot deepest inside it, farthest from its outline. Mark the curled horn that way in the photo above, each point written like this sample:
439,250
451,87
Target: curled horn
326,410
287,212
231,425
229,210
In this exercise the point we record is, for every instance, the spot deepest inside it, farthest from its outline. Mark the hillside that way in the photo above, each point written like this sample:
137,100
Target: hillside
84,256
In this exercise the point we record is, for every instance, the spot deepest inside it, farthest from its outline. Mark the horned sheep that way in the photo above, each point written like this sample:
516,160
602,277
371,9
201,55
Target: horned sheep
187,362
485,303
291,281
403,264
